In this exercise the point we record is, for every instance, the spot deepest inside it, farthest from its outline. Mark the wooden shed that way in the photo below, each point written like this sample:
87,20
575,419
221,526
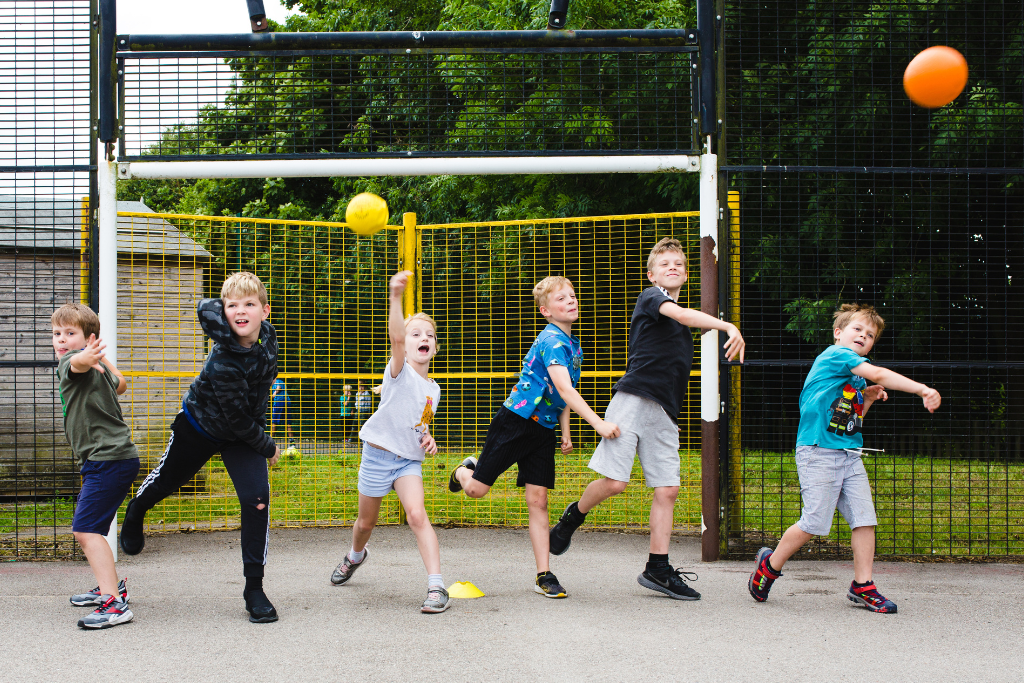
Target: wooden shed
42,266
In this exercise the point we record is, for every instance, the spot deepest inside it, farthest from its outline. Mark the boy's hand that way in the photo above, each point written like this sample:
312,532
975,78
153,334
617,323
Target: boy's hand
90,356
277,456
399,281
566,444
875,393
428,444
931,399
607,430
734,345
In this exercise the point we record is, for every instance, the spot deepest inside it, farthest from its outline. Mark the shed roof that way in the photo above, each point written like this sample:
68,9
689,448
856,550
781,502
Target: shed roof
51,224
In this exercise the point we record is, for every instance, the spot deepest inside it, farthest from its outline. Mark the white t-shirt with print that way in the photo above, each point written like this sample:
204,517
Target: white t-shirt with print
407,406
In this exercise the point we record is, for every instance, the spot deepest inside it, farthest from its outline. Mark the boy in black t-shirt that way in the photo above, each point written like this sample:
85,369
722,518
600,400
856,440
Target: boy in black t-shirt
645,405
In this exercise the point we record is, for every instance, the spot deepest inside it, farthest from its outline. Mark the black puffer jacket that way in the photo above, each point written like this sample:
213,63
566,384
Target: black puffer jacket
229,397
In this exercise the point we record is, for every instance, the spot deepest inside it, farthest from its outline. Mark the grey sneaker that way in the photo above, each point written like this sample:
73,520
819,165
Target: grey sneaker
344,571
453,484
670,582
93,597
110,613
437,601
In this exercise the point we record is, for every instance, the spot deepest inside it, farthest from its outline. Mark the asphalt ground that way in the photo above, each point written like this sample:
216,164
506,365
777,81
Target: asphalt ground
955,621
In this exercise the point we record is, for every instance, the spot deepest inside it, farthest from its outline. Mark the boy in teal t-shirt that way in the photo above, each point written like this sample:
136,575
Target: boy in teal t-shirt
833,403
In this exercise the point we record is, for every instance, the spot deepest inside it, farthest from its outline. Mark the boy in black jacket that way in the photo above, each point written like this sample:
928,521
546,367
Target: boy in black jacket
225,411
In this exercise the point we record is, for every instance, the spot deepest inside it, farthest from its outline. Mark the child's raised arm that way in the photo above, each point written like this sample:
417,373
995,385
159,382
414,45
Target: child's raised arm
894,380
563,384
734,346
396,321
90,357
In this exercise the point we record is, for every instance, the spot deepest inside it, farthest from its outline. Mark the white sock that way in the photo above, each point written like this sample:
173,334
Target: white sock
356,557
434,581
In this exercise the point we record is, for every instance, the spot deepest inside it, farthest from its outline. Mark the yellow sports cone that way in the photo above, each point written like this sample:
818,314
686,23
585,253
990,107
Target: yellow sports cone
464,589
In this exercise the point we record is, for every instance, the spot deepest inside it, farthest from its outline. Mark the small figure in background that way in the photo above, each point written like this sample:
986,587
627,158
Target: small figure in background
346,412
280,404
364,404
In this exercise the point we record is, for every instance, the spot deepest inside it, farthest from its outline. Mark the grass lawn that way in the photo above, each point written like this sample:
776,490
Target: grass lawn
925,506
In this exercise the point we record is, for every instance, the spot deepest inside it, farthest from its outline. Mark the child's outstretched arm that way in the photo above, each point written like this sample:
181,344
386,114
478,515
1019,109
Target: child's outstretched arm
894,380
734,345
90,357
396,321
563,384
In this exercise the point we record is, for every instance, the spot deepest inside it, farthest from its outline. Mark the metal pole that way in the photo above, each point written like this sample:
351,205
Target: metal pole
399,166
709,349
706,41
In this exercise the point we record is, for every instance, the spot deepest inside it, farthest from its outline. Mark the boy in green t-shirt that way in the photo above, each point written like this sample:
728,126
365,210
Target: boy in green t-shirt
102,443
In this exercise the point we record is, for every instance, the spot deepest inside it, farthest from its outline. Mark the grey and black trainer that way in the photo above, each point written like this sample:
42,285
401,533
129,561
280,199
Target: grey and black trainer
94,597
344,571
560,535
437,600
548,586
670,582
453,484
111,612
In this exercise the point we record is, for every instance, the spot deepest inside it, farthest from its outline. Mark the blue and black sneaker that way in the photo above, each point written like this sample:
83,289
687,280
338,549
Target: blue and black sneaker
453,484
868,596
763,577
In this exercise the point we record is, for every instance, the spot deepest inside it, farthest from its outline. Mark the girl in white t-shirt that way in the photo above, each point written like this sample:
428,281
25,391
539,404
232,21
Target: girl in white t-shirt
395,439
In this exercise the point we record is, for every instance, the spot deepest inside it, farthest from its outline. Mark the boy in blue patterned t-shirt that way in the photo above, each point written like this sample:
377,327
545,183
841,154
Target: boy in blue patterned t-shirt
522,430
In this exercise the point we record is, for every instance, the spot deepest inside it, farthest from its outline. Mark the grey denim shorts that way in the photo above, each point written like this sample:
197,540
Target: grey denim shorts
830,479
647,432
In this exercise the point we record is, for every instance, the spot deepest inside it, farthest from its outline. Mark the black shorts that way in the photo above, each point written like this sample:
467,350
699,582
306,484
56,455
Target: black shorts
513,439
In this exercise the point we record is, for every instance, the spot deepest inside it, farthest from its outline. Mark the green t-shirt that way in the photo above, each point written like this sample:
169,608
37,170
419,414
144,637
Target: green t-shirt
93,423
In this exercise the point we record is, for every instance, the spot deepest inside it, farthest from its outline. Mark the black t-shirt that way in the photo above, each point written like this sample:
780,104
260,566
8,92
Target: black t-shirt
660,354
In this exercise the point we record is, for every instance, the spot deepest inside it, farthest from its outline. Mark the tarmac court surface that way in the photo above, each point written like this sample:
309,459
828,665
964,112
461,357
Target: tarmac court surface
956,622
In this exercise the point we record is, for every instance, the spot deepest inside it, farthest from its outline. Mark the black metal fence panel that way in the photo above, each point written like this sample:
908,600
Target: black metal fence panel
850,193
408,103
45,254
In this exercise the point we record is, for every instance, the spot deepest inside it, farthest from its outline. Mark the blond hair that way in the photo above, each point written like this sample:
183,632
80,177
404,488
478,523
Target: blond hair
666,244
77,315
242,284
422,316
548,286
847,312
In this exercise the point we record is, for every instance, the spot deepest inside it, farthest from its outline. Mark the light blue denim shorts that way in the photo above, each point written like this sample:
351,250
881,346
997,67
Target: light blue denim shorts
378,470
830,479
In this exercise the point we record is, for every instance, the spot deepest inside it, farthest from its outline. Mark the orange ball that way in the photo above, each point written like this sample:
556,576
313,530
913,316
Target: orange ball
935,77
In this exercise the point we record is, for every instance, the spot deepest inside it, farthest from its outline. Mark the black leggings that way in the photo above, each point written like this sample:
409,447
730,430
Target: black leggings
187,452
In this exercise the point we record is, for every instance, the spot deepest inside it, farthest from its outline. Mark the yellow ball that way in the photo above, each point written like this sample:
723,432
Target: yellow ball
366,214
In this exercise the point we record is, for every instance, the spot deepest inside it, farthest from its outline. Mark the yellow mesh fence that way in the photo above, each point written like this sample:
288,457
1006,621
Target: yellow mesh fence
328,297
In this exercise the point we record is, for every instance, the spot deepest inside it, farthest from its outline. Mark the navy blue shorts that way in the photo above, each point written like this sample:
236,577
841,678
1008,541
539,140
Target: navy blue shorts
105,483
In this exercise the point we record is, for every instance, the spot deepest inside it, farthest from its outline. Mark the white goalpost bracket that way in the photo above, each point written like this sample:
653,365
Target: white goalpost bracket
415,166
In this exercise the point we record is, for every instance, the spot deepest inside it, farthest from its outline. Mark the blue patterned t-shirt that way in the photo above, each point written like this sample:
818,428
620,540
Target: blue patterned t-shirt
534,396
831,403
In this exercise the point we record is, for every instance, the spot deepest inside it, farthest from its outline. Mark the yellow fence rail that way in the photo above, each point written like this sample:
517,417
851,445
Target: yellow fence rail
328,297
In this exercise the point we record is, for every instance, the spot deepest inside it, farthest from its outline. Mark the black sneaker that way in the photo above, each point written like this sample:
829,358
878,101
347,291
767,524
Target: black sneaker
548,586
132,539
670,583
260,610
453,484
560,535
94,597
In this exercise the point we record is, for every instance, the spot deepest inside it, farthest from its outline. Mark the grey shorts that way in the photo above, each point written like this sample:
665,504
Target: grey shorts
379,469
831,479
647,432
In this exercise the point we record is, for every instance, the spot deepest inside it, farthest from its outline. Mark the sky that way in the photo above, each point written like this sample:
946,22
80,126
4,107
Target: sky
191,16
